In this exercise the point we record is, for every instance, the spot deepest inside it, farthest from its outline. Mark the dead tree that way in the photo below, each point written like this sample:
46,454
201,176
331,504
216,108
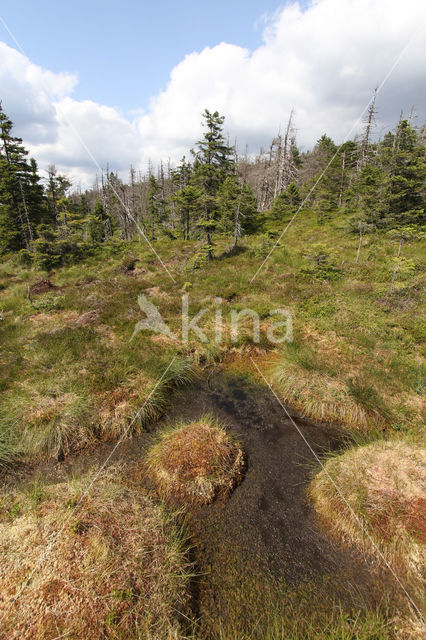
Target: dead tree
285,162
369,123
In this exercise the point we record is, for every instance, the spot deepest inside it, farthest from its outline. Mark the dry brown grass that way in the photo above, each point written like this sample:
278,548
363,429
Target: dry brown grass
384,483
116,571
196,461
321,397
55,425
116,408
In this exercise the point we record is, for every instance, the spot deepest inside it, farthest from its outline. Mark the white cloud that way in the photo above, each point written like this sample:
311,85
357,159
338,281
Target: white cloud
324,61
28,93
59,130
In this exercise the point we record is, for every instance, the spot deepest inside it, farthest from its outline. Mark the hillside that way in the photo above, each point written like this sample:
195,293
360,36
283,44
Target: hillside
99,354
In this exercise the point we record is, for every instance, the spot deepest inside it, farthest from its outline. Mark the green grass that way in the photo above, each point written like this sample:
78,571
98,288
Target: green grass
69,379
356,357
236,604
8,447
334,624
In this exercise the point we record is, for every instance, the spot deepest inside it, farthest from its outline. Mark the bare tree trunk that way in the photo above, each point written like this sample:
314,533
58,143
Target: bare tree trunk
278,142
237,227
285,169
367,132
28,239
360,244
343,178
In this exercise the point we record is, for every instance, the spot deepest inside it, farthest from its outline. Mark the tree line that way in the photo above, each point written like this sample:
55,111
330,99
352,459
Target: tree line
377,184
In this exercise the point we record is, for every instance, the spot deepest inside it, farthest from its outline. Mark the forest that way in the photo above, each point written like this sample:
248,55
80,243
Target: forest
378,185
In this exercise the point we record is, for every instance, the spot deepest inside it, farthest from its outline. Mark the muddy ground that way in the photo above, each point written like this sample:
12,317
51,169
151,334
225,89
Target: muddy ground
268,527
266,532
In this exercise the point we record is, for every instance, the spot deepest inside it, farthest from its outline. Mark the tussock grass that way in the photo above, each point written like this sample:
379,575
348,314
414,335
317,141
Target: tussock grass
117,408
69,373
56,426
321,397
117,570
383,483
356,359
70,379
49,423
195,461
329,380
8,447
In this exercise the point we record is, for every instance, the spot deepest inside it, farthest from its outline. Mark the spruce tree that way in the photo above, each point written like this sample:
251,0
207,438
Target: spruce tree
21,195
189,203
406,194
214,161
236,207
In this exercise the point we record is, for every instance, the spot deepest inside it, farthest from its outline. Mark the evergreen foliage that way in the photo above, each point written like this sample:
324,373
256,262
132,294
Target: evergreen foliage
378,185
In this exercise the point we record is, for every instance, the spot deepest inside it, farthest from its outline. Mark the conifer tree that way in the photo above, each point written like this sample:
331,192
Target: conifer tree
189,202
236,207
406,193
214,160
21,195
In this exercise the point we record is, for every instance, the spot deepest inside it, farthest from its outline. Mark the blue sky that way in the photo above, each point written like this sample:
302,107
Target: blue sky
123,51
128,81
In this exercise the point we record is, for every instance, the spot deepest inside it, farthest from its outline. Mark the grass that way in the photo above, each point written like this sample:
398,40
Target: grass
8,448
383,484
70,379
118,570
335,624
70,374
238,604
196,461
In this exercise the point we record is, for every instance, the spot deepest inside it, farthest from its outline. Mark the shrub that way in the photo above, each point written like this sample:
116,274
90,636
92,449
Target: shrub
48,302
324,263
128,264
25,257
263,248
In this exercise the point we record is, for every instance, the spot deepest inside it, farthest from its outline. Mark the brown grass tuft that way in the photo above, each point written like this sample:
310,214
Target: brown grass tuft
117,569
42,286
196,461
384,483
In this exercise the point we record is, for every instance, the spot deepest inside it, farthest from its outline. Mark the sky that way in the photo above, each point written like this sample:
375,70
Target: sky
94,83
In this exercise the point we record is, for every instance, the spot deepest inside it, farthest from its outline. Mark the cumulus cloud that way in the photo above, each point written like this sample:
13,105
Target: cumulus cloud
28,93
324,61
77,136
90,136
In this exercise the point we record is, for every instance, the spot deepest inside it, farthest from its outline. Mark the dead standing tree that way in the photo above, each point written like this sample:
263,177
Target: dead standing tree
278,168
369,124
285,168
